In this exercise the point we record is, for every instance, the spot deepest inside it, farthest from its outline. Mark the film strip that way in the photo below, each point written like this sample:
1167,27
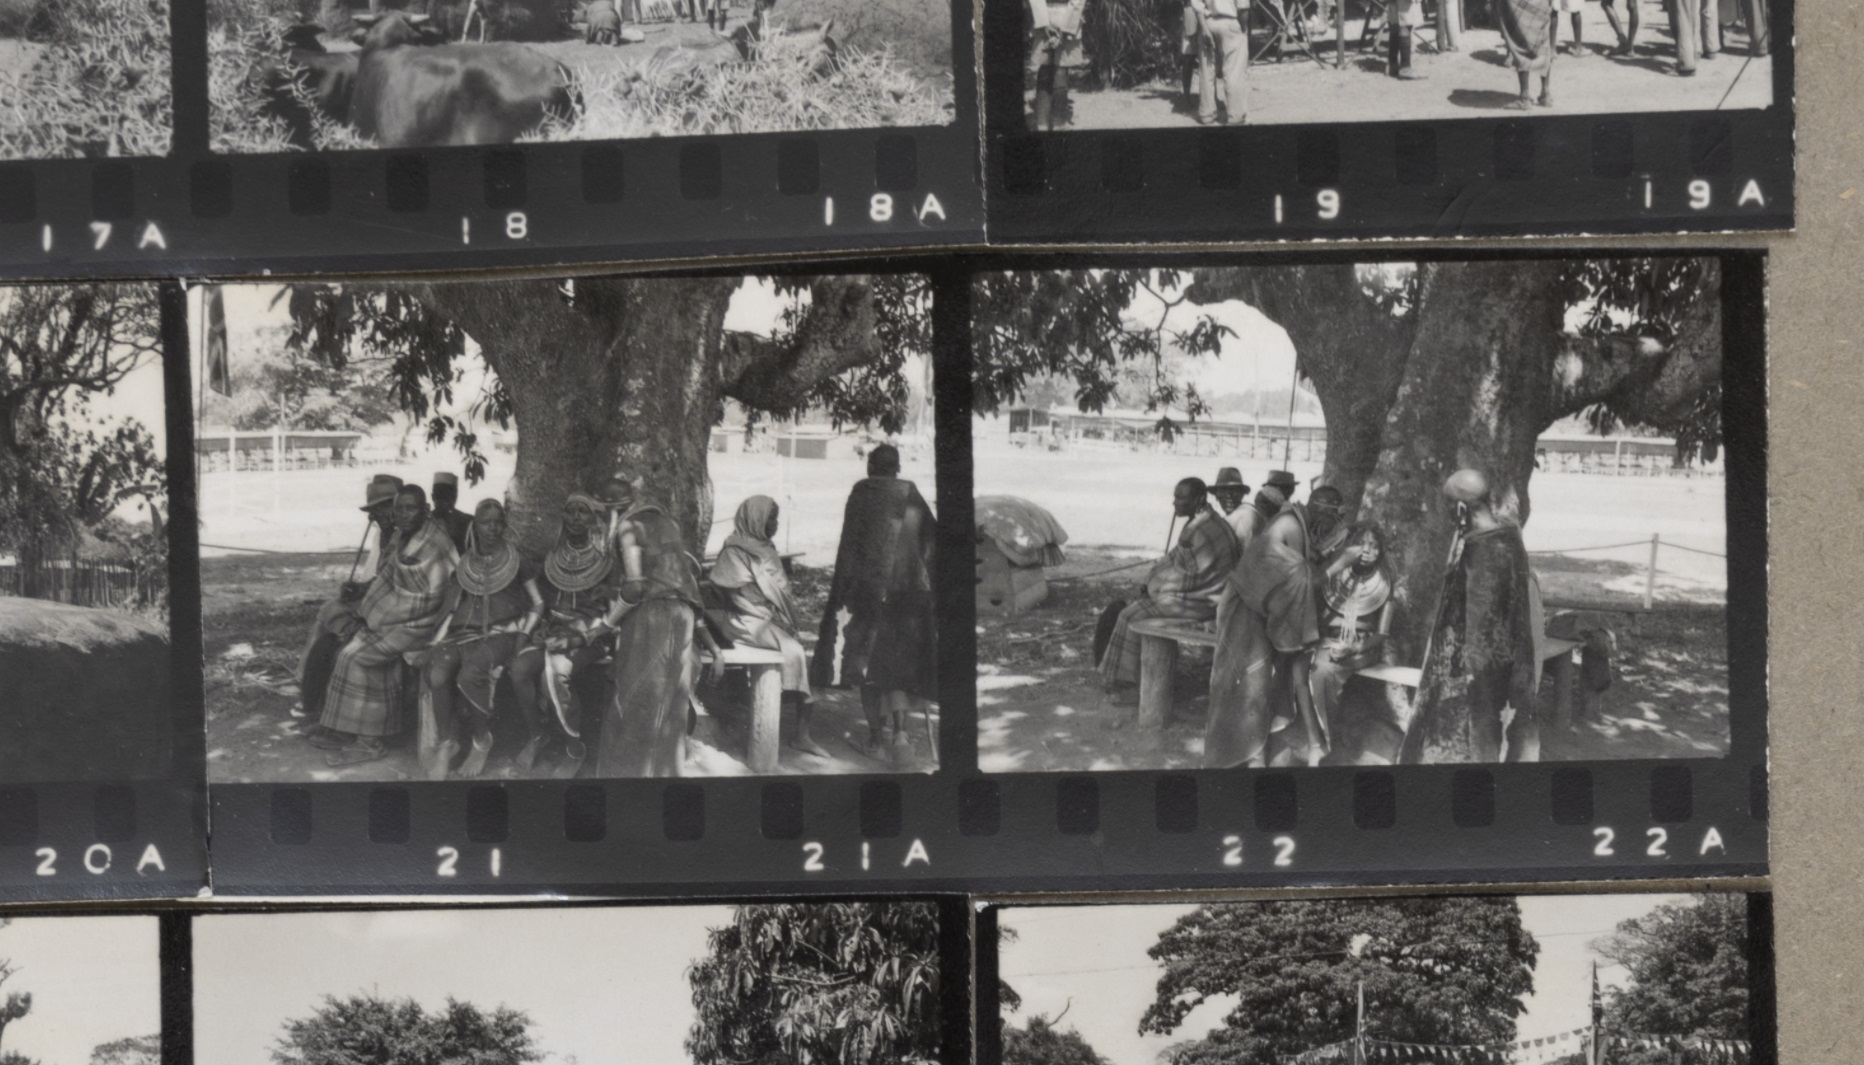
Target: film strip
987,814
103,793
1335,149
816,181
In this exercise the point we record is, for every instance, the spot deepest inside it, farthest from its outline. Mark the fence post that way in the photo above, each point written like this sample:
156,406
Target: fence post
1650,575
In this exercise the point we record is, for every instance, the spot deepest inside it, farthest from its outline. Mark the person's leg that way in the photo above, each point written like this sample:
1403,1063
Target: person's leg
1711,23
1754,13
1045,95
1546,87
527,674
1579,33
1685,19
441,676
1235,72
1406,40
1525,99
1059,114
481,664
1207,74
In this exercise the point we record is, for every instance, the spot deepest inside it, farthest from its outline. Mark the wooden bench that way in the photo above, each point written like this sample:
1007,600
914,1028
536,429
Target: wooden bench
1161,637
766,673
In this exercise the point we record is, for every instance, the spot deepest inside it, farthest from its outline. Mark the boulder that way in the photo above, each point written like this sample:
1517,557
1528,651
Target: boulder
84,694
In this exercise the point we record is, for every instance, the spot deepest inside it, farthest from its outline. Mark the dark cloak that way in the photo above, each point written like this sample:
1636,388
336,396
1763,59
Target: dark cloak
1481,657
879,627
1269,612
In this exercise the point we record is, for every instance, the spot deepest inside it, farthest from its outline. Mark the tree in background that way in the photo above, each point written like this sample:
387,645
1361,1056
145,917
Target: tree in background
18,1003
372,1030
1419,370
852,983
272,376
1688,974
14,1057
61,473
1040,1042
1449,970
604,375
134,1050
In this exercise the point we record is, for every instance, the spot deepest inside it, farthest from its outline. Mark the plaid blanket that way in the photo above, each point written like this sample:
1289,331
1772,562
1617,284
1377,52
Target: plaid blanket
401,612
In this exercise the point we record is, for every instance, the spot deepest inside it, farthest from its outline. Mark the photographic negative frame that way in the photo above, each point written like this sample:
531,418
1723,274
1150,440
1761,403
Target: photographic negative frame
882,178
1573,969
1403,158
969,826
103,793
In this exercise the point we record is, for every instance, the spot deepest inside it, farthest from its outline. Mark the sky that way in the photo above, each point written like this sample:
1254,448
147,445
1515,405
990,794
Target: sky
93,980
603,985
1092,961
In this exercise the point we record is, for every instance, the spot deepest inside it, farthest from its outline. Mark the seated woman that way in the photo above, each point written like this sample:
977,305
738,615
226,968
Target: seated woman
499,605
1354,619
750,572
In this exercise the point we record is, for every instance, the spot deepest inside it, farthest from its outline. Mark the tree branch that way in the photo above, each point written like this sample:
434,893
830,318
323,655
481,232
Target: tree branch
836,334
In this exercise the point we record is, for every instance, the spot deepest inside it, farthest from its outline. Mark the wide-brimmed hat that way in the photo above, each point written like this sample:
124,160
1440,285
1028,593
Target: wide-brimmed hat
1283,480
382,489
1229,477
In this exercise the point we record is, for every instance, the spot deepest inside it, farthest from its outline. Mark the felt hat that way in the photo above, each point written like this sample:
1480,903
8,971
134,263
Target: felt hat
382,489
1282,481
443,477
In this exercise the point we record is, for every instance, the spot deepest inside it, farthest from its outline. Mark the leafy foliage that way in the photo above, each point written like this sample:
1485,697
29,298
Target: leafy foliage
1132,42
14,1057
1077,325
1041,1043
100,86
1008,1001
371,1030
1689,970
1441,970
133,1050
876,392
62,470
851,983
18,1003
275,376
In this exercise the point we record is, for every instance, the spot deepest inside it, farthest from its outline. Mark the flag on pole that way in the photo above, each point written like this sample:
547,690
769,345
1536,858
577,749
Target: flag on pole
218,375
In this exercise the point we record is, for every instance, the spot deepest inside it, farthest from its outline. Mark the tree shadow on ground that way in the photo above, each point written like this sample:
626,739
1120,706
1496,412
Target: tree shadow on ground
1040,706
257,612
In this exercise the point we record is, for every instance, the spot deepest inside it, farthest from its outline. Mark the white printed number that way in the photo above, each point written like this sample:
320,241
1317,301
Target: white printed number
1232,851
1284,850
450,862
1329,201
517,227
1658,837
1699,195
1605,836
880,208
812,858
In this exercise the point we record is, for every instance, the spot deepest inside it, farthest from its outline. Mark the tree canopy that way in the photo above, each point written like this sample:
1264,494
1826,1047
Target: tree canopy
62,471
1040,1042
18,1003
847,983
1688,970
132,1050
368,1029
1440,970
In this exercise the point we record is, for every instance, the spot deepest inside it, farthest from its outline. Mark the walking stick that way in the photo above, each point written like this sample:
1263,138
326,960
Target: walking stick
360,548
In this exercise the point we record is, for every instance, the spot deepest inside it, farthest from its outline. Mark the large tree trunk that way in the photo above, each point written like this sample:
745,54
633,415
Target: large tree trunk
622,379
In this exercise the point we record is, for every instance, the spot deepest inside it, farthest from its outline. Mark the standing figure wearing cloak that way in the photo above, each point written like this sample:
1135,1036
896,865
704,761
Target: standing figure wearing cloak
498,606
1268,620
1480,667
1355,615
653,616
403,608
763,613
1184,584
879,630
582,578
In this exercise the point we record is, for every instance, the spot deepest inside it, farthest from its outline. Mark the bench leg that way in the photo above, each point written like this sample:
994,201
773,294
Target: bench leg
766,717
1561,669
1158,657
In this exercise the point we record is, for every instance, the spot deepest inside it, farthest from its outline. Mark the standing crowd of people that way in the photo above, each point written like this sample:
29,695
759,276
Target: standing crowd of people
601,639
1215,44
1301,600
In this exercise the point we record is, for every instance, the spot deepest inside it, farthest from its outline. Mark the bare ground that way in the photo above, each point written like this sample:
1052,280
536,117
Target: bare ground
258,609
1473,82
1040,706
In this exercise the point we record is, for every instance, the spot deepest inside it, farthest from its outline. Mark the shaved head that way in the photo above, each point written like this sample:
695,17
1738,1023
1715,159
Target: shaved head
1466,486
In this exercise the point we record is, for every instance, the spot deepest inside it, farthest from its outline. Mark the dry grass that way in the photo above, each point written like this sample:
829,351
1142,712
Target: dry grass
777,93
100,85
773,95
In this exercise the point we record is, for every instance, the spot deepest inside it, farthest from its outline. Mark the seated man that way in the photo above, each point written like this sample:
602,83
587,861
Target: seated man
498,606
336,618
763,614
581,580
879,630
1184,584
401,611
1268,624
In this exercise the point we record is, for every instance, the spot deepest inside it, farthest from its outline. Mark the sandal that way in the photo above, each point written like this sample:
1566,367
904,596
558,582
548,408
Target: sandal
328,740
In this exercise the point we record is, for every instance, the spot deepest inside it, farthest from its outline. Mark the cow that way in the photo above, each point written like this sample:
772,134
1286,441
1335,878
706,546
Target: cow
305,81
411,96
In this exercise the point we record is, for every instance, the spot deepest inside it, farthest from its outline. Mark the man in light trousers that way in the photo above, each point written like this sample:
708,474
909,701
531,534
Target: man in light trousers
1224,57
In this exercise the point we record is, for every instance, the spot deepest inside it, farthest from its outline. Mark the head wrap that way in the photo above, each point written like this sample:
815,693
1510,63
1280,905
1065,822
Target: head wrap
748,557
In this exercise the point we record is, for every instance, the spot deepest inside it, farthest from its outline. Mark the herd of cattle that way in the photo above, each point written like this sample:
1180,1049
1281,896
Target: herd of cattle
402,81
